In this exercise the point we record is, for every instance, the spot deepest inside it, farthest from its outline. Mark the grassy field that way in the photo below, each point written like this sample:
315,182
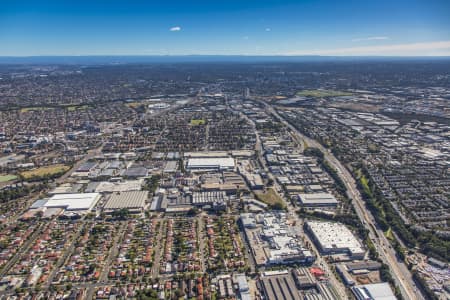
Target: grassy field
134,104
271,198
5,178
27,109
356,106
322,93
45,171
196,122
389,235
77,107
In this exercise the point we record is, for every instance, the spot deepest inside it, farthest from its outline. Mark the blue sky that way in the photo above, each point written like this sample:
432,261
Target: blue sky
249,27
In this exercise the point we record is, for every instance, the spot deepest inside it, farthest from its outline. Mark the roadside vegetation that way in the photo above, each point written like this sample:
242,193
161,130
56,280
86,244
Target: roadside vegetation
17,192
271,198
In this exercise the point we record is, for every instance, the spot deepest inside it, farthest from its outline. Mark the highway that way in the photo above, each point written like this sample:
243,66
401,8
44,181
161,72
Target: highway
399,271
338,287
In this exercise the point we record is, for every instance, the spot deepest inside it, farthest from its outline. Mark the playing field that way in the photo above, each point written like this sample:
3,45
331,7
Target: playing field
45,171
38,108
322,93
77,107
5,178
196,122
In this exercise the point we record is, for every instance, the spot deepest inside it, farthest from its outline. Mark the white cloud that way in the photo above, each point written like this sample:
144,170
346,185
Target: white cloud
175,28
371,38
414,49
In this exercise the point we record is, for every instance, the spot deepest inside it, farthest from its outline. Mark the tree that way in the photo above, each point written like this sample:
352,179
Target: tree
121,214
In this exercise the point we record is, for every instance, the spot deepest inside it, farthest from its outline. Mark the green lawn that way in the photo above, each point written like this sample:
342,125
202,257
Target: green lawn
389,235
196,122
77,107
322,93
37,108
5,178
364,182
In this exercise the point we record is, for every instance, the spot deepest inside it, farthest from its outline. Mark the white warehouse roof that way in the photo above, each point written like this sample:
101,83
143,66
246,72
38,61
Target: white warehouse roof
81,201
318,199
375,291
221,163
335,237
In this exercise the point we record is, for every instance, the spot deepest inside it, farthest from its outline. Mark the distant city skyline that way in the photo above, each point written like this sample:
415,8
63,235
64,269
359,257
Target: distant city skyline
285,27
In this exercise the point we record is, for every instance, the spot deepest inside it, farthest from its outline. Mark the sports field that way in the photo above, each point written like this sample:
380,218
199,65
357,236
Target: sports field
5,178
322,93
196,122
45,171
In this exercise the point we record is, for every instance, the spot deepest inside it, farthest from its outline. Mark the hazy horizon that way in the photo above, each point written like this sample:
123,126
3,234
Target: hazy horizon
267,27
144,59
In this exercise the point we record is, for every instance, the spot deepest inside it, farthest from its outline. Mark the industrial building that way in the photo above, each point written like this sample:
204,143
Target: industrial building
86,167
135,172
335,238
244,289
206,154
254,180
248,220
133,201
317,200
216,200
279,285
210,164
303,278
225,286
349,270
72,202
119,186
277,242
171,166
66,188
342,270
374,291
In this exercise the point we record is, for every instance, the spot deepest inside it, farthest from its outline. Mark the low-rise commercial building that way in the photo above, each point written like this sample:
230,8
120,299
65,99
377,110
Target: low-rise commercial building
375,291
335,238
210,164
72,202
317,200
279,285
134,201
273,241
